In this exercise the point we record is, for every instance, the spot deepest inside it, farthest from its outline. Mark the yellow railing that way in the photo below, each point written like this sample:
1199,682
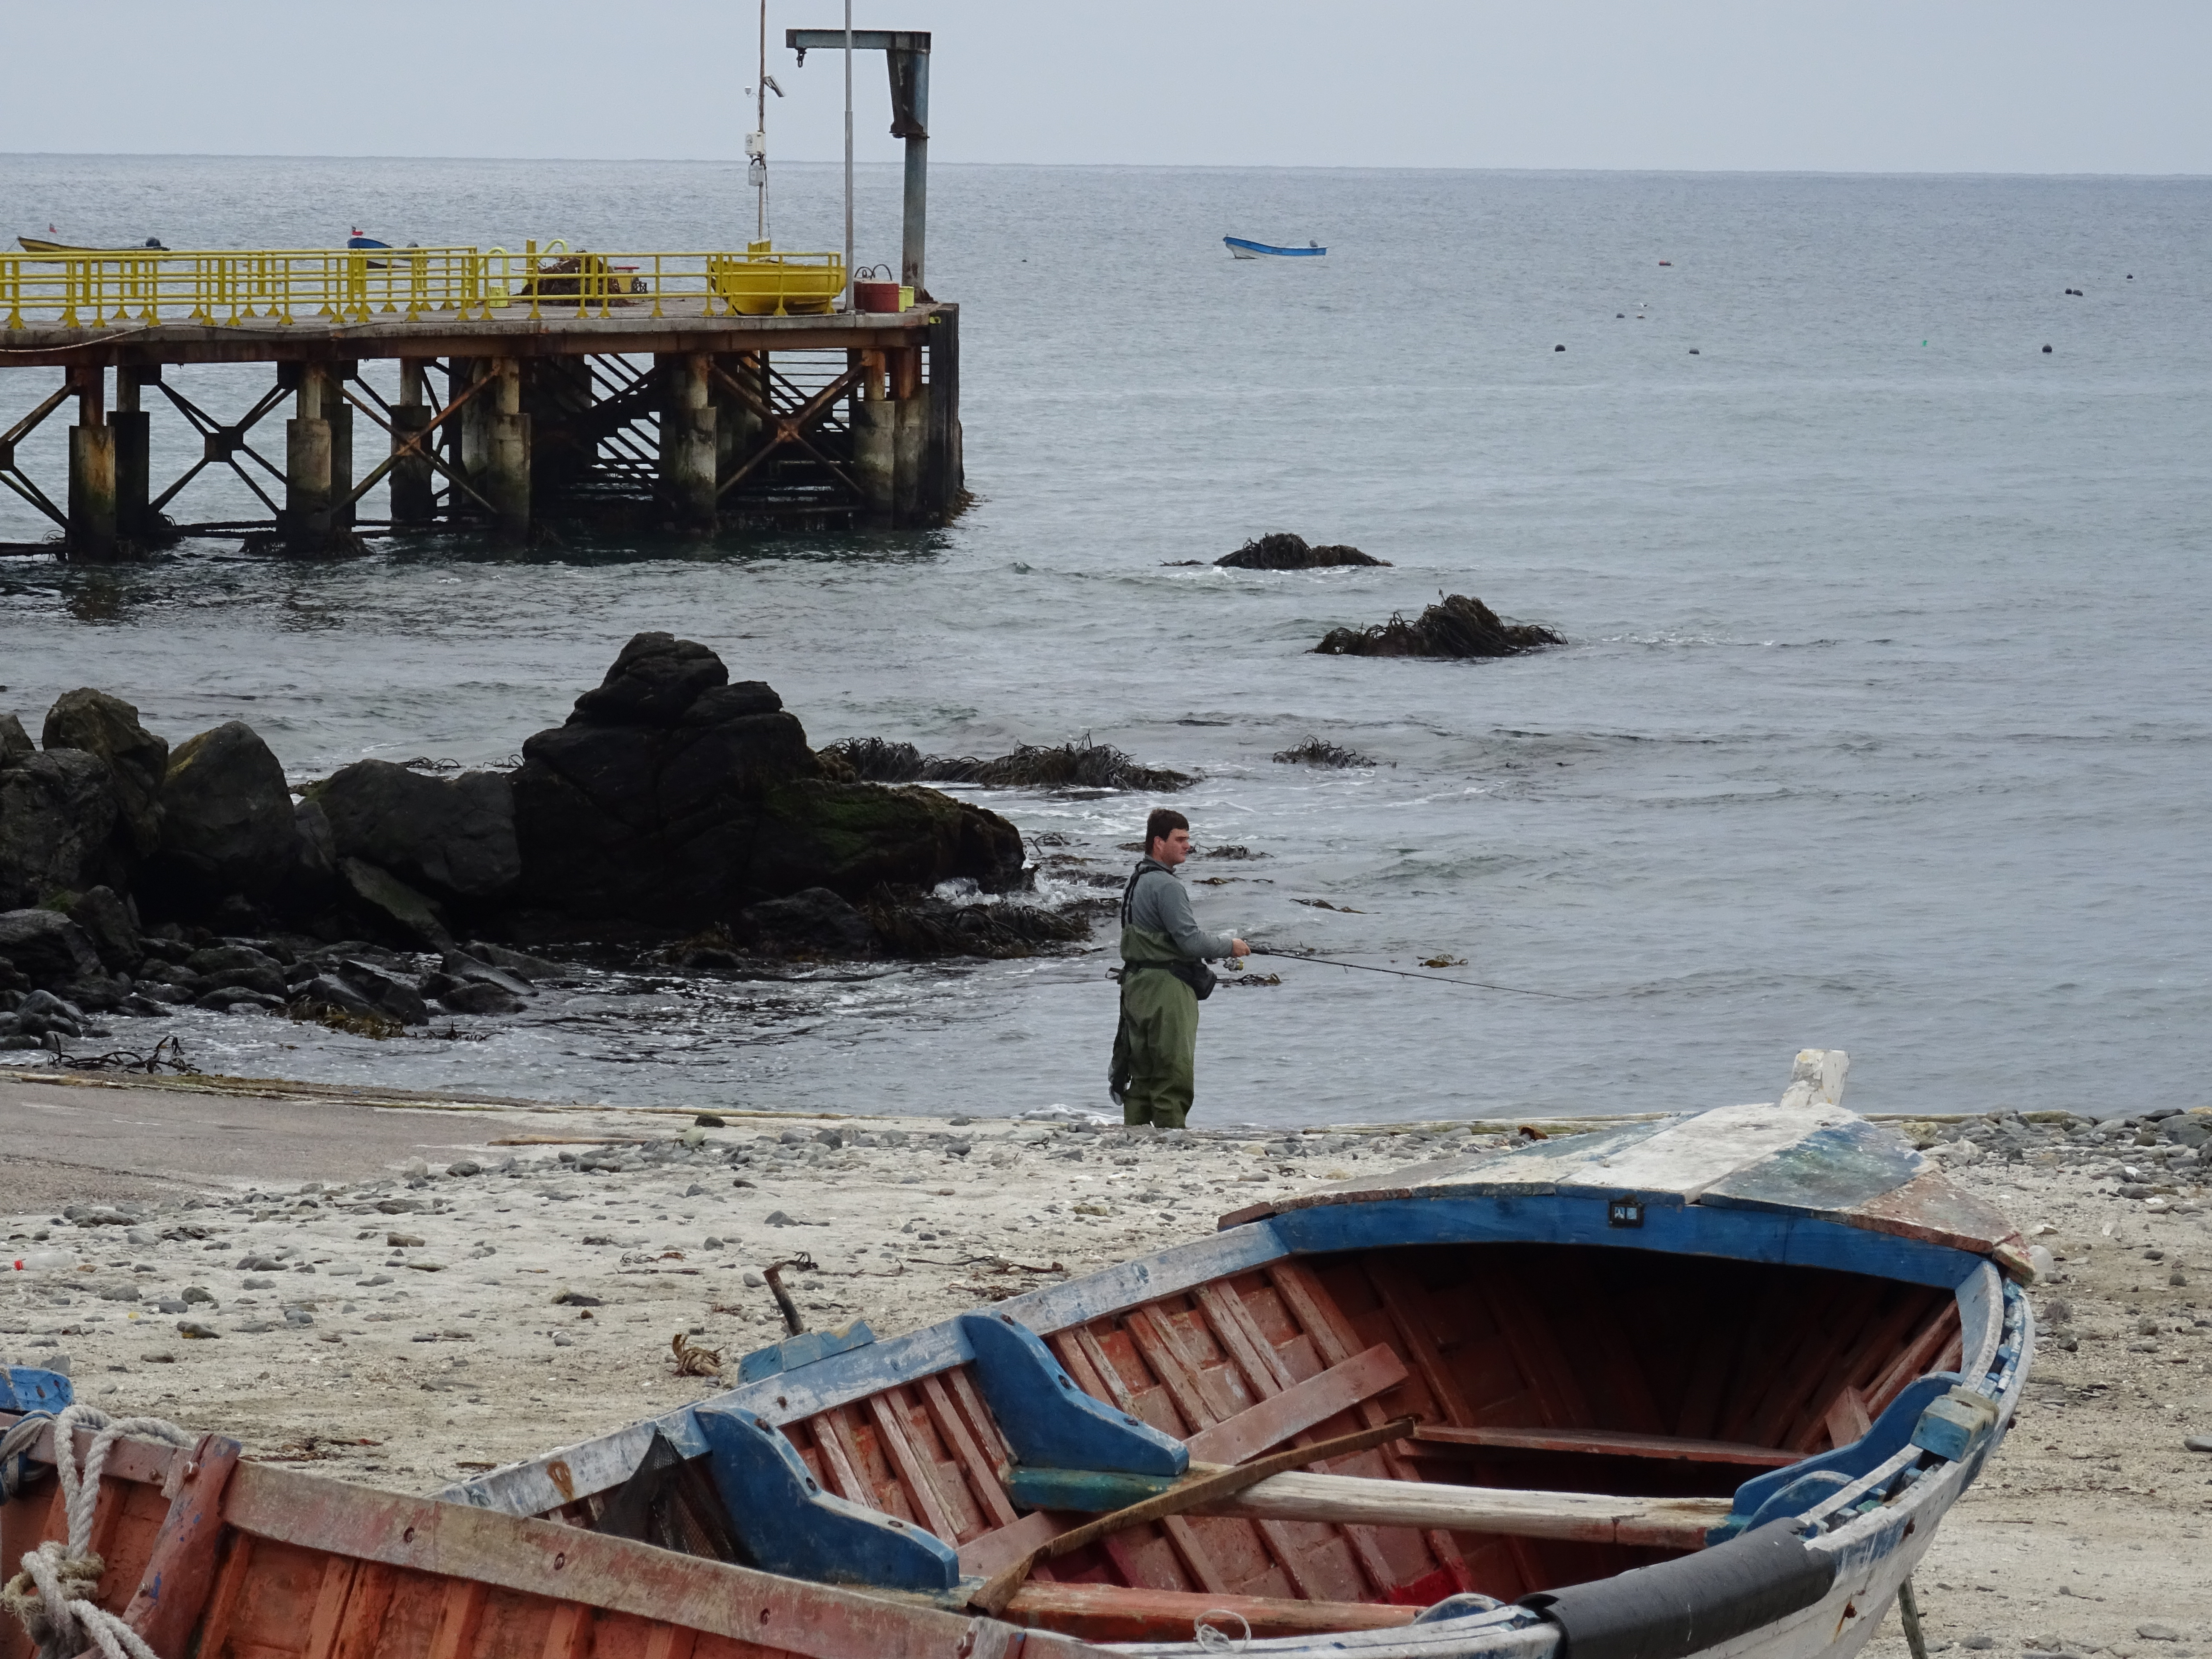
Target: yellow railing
234,287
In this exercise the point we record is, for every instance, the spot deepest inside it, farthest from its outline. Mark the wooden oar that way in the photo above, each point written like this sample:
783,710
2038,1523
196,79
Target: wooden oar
1189,1493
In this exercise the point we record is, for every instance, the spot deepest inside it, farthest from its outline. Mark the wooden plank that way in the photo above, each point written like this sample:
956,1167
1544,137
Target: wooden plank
179,1574
1608,1443
326,1623
230,1577
982,1478
1833,1169
915,1474
1241,1340
979,1421
366,1606
989,1552
1109,1612
1419,1346
1221,1390
540,1557
568,1633
1981,1322
1847,1417
1686,1159
1667,1523
670,1642
1918,1359
837,1471
1162,1356
460,1611
1299,1407
1929,1208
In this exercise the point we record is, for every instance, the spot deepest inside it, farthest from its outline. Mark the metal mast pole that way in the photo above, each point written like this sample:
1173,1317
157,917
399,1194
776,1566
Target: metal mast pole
760,126
849,154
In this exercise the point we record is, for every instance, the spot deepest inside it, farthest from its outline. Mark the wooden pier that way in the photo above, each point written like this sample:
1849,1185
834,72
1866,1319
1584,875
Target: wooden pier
656,390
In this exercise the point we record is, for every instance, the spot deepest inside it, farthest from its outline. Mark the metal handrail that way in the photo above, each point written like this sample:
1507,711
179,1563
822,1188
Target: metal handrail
233,287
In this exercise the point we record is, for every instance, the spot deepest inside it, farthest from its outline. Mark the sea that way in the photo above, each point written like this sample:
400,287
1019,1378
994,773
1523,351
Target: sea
1874,510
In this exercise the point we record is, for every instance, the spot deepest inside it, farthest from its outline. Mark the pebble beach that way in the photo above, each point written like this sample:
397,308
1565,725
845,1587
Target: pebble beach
527,1275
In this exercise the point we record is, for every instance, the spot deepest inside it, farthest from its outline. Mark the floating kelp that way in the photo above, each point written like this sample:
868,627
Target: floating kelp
1314,752
1459,626
930,926
1081,764
1284,552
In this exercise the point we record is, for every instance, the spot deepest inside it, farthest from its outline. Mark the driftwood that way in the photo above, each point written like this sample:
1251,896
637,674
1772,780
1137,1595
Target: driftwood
1458,626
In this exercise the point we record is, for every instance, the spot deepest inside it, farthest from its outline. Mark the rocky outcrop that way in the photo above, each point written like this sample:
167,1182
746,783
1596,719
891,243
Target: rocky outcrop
57,825
97,723
1284,552
227,824
450,837
47,948
671,798
1458,625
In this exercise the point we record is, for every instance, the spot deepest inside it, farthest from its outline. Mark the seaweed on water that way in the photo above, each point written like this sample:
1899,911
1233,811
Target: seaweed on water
1459,626
934,928
1314,752
1284,552
1081,764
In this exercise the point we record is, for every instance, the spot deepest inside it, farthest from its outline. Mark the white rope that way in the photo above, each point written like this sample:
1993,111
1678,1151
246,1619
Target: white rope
64,1575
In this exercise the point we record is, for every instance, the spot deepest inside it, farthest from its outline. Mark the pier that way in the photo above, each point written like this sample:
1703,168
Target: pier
677,390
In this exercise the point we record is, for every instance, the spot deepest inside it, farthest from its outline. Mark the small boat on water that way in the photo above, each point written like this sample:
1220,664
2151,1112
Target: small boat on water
40,245
1239,248
1697,1385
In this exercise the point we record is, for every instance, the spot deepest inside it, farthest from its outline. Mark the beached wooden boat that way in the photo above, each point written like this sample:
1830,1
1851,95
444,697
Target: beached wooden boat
1701,1385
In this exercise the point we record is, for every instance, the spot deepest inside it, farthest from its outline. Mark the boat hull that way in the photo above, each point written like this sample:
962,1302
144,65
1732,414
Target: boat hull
1241,249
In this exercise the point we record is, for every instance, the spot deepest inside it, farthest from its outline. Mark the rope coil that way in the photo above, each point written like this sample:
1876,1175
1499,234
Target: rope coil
51,1597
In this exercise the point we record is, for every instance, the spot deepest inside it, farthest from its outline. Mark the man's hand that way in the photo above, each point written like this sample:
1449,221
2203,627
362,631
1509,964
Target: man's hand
1237,947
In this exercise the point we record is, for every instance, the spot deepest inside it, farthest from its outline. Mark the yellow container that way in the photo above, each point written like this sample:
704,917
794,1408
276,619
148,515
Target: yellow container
764,284
906,299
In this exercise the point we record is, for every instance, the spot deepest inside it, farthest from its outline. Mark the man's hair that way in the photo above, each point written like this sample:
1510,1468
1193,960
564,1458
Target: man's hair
1164,823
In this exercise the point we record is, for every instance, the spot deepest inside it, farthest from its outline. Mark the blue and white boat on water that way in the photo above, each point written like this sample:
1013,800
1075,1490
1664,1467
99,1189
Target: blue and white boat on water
1694,1386
1243,250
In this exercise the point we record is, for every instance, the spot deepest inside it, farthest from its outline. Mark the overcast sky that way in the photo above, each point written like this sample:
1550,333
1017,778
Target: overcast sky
2030,86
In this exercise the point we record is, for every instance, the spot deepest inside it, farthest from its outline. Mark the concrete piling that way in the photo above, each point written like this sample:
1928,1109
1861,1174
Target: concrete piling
338,413
307,515
688,450
737,427
133,428
92,527
506,479
412,501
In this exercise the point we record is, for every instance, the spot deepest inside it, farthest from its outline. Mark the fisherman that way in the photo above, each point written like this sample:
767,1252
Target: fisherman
1164,977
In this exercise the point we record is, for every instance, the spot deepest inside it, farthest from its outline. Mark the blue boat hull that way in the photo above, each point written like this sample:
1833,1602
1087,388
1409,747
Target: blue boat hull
1244,250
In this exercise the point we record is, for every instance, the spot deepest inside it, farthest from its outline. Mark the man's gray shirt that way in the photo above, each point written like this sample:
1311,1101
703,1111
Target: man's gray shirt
1158,902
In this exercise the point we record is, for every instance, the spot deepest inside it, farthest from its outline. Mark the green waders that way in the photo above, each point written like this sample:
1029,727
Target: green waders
1156,1048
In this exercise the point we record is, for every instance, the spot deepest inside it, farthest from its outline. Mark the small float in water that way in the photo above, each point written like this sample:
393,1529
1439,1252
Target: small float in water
1243,250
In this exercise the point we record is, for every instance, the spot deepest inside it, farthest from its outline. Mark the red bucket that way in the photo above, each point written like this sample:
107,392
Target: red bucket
876,296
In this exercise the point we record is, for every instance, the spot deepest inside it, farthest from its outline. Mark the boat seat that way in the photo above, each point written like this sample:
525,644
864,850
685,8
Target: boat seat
1608,1443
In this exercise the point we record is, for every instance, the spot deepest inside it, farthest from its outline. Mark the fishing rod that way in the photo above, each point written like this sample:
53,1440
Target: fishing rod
1402,973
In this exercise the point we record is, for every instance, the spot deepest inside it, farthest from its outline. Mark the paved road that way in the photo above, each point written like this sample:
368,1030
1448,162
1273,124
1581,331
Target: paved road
68,1143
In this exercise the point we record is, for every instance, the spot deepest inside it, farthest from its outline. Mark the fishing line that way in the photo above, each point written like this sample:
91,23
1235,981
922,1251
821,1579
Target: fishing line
1402,973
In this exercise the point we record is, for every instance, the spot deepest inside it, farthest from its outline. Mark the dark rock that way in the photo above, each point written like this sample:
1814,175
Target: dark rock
1457,626
1283,551
98,724
814,920
463,967
734,701
57,815
101,996
15,742
388,992
226,959
397,904
477,999
263,982
520,964
232,996
108,922
328,990
449,836
165,995
227,820
654,681
854,837
47,947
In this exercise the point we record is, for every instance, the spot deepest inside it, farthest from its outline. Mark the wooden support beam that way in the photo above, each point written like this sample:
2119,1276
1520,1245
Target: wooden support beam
1608,1443
179,1575
1299,1406
1678,1523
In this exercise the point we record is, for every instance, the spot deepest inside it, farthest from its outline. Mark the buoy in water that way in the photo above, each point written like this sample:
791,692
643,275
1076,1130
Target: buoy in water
1666,262
2046,351
1559,347
1694,351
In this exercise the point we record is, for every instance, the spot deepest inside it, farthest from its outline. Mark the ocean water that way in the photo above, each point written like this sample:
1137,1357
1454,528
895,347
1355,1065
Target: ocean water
1882,724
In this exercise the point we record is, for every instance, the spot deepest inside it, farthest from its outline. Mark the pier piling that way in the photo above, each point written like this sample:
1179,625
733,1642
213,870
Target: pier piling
307,515
133,453
506,484
413,501
688,447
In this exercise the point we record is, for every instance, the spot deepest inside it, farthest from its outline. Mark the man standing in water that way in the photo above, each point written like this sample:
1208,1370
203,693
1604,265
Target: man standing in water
1163,975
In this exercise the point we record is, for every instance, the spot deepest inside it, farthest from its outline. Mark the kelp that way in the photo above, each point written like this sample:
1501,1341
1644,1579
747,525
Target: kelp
1458,626
1081,764
1314,752
1284,552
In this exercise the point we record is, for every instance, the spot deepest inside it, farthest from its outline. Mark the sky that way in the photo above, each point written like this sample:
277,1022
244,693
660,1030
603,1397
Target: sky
1856,86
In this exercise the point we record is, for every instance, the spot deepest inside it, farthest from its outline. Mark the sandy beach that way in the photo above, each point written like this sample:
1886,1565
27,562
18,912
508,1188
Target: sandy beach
407,1292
